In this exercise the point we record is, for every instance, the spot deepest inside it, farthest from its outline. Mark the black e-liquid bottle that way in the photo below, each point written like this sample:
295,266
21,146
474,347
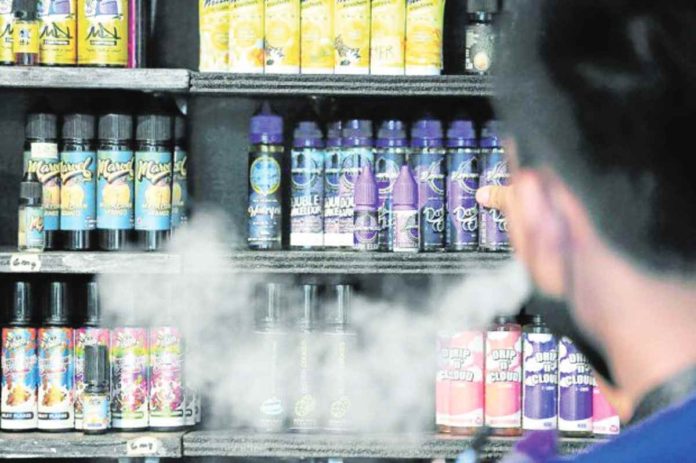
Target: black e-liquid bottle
95,398
25,37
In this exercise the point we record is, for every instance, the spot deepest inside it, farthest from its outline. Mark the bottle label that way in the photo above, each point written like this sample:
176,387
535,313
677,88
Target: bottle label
306,221
44,161
317,36
282,27
58,37
352,160
465,372
503,379
366,231
26,37
388,37
180,189
264,201
574,389
493,233
102,33
332,211
166,379
339,383
305,408
129,363
429,171
462,208
78,206
6,32
97,415
352,36
56,376
480,46
246,36
31,228
214,35
387,165
605,420
539,409
153,190
115,190
424,36
269,387
406,231
86,336
19,379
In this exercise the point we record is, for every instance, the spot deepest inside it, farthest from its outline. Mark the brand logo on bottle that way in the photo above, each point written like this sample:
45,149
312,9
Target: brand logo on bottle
70,170
110,170
45,171
465,171
17,341
264,175
126,340
166,339
498,173
432,175
181,166
466,218
305,172
53,341
153,171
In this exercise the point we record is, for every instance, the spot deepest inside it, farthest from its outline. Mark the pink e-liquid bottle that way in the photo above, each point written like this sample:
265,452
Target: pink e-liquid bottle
605,420
466,397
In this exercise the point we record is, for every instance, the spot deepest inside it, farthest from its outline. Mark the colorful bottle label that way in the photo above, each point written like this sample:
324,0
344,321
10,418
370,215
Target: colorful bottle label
466,398
352,36
58,35
180,188
503,379
317,36
429,172
406,231
97,412
306,220
78,203
129,368
264,201
26,37
115,175
365,231
31,234
282,44
271,403
388,162
246,36
332,208
605,420
85,336
43,160
480,47
214,18
6,32
166,378
56,378
539,409
574,389
388,37
352,160
305,409
424,25
462,208
153,190
338,385
20,375
493,232
102,32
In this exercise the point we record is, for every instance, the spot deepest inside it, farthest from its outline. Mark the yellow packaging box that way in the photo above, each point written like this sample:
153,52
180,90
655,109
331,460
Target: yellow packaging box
214,30
317,36
352,36
246,36
282,30
424,24
388,37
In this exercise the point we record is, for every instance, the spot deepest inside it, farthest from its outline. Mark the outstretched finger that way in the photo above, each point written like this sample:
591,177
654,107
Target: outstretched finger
493,196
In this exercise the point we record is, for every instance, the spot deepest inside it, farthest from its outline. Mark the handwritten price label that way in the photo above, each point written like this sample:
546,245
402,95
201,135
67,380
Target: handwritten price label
25,263
143,446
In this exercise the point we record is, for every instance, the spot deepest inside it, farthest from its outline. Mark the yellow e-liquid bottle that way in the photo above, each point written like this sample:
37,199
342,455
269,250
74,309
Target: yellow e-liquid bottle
58,37
6,26
25,36
102,33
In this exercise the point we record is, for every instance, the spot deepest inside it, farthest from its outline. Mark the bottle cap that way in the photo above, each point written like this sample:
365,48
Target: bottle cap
96,365
482,6
78,127
426,133
310,307
41,126
179,127
30,190
116,127
366,189
25,9
537,319
461,134
405,193
338,312
490,134
153,127
21,304
266,127
268,303
308,135
57,311
504,320
357,133
392,134
333,135
93,306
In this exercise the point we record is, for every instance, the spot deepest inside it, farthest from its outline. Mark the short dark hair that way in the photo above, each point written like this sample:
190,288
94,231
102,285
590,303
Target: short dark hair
604,92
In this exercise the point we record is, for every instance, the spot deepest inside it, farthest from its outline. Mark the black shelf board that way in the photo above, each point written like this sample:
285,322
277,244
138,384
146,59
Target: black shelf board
77,445
343,85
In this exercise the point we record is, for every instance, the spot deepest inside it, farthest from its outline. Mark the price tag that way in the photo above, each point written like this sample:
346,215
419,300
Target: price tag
25,263
143,446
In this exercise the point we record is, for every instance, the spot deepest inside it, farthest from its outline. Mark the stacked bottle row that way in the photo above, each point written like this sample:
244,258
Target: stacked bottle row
108,186
512,379
410,197
72,32
91,378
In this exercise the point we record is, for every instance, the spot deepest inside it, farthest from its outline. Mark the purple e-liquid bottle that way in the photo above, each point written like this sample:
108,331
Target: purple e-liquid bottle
540,387
366,226
405,225
307,189
462,183
332,213
428,160
493,235
390,155
574,391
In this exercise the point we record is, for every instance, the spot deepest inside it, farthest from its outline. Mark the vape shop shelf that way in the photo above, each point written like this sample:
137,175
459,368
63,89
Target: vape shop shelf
77,445
149,80
339,85
231,444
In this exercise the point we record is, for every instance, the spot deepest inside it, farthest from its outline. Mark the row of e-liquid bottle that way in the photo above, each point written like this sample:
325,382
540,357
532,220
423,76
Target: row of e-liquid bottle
305,384
72,32
512,379
99,184
91,378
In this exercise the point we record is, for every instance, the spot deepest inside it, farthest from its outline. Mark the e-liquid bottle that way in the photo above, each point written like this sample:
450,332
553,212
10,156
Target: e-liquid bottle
332,177
405,225
265,175
91,333
78,173
166,377
540,367
102,33
466,394
605,420
304,403
574,391
97,403
180,197
462,183
25,36
504,377
493,235
390,155
58,37
41,158
6,31
56,364
19,365
480,36
115,174
428,160
356,153
365,221
153,181
307,187
31,236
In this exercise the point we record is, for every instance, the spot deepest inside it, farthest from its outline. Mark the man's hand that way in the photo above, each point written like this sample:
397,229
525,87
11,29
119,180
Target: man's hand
495,197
